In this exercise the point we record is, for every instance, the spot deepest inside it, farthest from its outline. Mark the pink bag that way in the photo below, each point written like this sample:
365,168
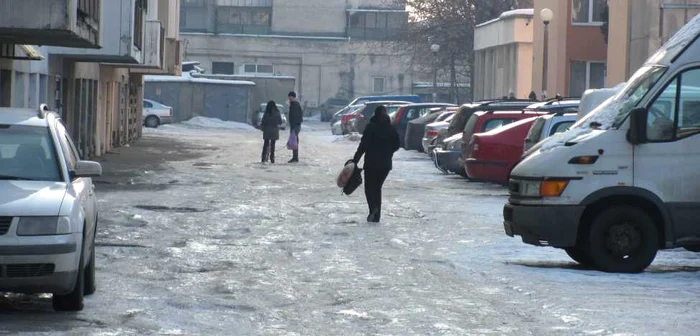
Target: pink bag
293,142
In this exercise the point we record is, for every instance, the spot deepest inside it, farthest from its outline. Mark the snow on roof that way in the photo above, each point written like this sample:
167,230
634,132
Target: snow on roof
222,76
300,37
525,12
188,78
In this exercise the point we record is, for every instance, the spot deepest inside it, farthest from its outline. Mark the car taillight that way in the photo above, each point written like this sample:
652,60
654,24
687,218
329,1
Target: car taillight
431,133
170,112
399,114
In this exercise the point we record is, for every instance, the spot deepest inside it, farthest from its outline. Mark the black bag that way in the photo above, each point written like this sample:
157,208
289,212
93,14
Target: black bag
354,181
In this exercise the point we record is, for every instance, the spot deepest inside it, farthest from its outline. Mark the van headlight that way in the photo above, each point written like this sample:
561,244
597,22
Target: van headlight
43,226
546,188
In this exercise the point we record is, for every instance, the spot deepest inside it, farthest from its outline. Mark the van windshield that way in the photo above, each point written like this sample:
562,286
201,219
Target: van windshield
614,111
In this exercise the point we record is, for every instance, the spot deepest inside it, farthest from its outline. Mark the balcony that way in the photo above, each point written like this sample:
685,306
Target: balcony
122,37
66,23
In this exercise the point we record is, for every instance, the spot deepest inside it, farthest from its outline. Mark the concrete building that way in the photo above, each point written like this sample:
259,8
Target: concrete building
577,48
503,56
638,28
334,48
93,72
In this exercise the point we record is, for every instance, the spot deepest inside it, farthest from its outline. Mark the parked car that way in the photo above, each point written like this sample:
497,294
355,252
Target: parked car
481,122
339,115
156,114
493,154
415,129
407,98
331,106
347,117
261,111
464,112
546,126
592,98
432,131
363,115
48,209
411,112
622,183
448,157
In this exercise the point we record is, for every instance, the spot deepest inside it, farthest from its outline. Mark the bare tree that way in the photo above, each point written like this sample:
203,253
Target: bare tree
450,24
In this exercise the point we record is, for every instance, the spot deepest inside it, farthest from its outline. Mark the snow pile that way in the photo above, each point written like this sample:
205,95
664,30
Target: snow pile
352,137
313,118
204,122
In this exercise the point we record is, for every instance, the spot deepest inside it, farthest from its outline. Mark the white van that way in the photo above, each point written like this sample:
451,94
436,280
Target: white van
624,181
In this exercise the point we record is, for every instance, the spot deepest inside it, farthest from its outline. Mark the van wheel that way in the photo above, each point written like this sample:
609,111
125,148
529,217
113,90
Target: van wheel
73,301
579,255
622,239
90,283
152,122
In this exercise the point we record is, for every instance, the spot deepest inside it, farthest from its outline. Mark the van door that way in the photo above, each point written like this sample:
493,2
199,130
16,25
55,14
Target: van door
668,164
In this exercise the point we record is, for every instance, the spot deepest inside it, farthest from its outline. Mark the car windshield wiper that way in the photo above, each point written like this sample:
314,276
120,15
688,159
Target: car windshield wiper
15,178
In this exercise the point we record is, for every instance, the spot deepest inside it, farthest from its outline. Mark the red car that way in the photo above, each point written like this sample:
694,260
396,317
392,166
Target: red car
494,154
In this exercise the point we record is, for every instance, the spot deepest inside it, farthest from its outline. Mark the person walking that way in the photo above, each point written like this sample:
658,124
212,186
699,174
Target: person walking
379,142
296,117
270,125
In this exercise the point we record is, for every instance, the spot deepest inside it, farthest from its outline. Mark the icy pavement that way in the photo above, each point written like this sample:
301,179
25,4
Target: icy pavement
196,237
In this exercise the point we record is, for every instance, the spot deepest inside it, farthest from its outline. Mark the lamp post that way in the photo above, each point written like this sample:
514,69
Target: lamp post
435,48
546,15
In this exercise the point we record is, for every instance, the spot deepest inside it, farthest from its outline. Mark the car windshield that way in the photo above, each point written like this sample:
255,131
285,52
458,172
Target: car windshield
27,153
614,111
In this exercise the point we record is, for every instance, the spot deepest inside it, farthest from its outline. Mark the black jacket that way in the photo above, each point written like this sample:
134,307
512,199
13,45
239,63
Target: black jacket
379,142
296,115
270,125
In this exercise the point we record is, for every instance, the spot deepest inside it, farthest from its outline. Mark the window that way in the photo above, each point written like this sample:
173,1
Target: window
588,11
27,153
243,20
377,24
668,120
561,127
496,123
584,76
147,104
378,85
224,68
258,69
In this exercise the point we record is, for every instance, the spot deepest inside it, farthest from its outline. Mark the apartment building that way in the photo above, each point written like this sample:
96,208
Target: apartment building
334,48
638,28
577,49
503,56
91,63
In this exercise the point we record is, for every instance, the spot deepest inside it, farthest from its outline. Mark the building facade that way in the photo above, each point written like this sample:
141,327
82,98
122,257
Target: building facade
91,70
503,56
638,28
334,48
577,48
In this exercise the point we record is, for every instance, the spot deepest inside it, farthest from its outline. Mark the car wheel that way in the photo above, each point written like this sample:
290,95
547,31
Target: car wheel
622,239
73,301
152,122
90,283
579,255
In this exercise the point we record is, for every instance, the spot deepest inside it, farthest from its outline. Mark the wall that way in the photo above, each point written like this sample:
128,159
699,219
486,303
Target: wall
310,16
323,68
225,102
618,31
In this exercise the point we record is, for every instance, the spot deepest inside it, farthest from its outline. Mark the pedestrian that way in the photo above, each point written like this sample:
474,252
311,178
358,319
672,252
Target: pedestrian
270,126
296,116
379,142
533,96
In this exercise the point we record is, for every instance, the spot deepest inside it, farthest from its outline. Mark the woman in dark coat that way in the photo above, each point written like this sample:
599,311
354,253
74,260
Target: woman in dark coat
379,142
270,126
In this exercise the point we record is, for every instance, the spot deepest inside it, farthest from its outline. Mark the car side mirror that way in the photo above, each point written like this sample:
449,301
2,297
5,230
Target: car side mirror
637,133
87,169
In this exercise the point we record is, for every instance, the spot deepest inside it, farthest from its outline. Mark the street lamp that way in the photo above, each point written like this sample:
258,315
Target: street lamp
435,48
546,15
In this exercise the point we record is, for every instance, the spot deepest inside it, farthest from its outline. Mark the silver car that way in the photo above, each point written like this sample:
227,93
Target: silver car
261,112
48,209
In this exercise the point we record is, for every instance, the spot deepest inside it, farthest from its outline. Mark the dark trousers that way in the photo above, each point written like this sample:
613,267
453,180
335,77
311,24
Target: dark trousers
268,149
374,180
295,152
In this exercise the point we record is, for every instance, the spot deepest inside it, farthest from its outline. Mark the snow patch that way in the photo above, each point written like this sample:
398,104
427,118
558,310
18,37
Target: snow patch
350,312
204,122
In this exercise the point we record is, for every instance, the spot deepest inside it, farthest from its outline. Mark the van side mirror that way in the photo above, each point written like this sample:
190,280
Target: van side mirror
637,133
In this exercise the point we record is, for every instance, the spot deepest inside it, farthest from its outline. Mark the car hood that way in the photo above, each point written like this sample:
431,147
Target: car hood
31,198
